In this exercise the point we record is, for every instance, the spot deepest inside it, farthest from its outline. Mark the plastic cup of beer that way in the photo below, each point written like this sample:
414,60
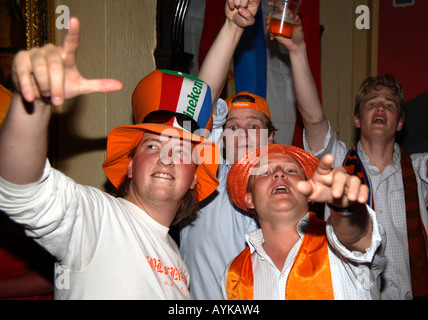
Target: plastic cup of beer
282,17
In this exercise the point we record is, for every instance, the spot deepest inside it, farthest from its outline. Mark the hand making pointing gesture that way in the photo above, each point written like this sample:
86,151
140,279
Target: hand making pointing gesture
42,76
51,72
334,185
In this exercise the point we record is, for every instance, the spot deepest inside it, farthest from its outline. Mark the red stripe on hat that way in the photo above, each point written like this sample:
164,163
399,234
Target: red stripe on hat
171,88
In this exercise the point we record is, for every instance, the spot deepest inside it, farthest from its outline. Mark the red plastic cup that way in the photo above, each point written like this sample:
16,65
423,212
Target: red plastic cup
282,18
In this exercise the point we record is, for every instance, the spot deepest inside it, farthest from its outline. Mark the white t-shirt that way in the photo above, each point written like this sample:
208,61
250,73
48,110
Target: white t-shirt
106,247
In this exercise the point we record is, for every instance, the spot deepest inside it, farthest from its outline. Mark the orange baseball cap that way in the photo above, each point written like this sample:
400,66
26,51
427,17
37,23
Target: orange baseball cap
257,103
172,104
239,174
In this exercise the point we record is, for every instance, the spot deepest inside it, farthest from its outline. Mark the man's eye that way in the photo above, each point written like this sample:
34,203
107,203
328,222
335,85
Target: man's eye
261,171
254,126
184,152
264,171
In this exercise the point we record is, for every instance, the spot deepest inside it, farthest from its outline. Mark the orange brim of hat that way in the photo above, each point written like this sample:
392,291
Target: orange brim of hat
5,99
123,139
239,174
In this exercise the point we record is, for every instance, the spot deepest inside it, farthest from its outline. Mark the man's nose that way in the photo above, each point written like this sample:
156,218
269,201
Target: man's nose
278,173
242,132
165,158
380,107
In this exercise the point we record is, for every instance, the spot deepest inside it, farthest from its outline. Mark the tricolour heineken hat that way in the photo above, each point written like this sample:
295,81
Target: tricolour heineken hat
173,104
176,92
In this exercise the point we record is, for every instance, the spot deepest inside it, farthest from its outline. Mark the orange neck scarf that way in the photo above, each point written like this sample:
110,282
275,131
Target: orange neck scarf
417,238
309,278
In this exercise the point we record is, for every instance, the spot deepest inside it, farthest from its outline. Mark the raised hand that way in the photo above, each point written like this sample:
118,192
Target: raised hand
298,37
242,12
50,72
42,76
334,185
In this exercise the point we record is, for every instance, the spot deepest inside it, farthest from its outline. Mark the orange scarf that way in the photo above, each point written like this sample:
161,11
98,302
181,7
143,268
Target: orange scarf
309,278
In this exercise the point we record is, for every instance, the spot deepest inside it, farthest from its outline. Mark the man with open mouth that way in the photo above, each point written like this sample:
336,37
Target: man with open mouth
295,255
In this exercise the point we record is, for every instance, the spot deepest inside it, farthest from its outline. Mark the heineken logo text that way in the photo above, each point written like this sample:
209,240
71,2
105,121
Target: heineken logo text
193,99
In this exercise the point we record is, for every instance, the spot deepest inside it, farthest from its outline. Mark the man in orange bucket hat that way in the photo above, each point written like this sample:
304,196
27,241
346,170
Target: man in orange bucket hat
294,255
107,247
173,104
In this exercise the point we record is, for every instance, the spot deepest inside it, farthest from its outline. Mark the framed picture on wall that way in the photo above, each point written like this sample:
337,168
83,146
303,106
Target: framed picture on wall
39,21
24,24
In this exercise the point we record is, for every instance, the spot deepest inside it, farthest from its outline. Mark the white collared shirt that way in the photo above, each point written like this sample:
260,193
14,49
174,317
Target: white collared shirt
355,275
390,206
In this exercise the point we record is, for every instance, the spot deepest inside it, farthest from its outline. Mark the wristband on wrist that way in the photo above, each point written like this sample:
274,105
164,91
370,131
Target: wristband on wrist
347,211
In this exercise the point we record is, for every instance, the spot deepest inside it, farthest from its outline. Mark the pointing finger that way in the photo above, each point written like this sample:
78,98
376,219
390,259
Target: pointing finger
71,42
305,188
100,85
324,167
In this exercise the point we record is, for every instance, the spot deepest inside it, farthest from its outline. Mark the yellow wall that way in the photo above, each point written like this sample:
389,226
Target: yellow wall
118,39
348,56
336,64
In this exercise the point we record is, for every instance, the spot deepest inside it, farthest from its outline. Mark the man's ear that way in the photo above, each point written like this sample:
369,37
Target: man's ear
270,138
194,183
248,198
357,123
130,169
400,125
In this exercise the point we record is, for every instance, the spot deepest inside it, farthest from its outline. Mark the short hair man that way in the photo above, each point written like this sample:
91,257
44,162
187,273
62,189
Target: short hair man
293,255
106,247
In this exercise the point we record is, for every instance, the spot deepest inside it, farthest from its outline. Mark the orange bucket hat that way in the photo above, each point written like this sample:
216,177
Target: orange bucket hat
173,104
257,103
239,174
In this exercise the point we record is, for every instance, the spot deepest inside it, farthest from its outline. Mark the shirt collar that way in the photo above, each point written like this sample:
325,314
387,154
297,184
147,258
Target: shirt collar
255,238
396,158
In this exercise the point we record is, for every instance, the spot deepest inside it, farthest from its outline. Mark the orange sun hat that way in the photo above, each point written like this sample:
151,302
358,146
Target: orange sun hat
239,174
172,104
256,102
